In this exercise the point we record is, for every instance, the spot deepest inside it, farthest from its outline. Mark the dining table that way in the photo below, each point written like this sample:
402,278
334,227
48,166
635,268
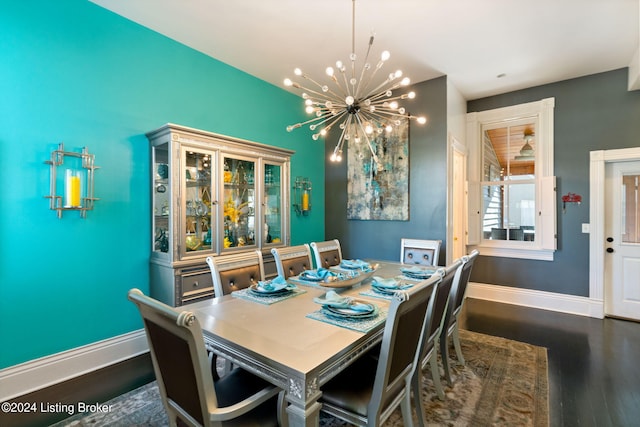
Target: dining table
289,342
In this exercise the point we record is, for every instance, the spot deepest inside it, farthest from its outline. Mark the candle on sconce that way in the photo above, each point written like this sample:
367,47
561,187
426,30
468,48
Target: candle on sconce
305,200
73,188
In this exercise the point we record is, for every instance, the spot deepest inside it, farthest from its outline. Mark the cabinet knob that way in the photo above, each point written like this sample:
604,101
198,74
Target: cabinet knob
196,284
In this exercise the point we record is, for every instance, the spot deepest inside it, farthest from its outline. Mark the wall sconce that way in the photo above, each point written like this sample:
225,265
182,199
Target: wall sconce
74,182
302,195
570,198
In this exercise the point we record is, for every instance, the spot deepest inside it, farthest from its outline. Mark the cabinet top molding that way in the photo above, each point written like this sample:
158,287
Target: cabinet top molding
218,140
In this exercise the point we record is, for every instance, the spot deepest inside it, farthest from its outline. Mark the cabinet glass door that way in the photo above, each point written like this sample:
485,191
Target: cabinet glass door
273,227
239,202
161,194
198,229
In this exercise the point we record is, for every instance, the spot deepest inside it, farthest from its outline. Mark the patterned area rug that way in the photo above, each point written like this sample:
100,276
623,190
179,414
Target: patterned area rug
504,383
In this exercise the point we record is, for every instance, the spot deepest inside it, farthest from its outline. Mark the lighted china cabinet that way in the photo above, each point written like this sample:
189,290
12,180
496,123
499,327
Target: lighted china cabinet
211,195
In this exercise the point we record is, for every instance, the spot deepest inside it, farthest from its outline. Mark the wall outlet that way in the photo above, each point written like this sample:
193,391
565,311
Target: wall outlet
586,228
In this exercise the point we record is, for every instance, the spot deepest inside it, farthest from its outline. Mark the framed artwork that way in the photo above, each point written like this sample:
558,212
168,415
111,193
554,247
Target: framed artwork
374,194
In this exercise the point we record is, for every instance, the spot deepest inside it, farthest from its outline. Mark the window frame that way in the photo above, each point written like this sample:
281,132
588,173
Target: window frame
544,245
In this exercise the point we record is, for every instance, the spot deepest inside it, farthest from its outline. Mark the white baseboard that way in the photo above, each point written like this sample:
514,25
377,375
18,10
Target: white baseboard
49,370
571,304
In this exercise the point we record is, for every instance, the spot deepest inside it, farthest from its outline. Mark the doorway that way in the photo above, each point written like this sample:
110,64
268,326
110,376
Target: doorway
622,231
614,258
459,200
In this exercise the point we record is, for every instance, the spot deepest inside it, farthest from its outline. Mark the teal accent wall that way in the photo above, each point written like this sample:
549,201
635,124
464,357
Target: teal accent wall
73,72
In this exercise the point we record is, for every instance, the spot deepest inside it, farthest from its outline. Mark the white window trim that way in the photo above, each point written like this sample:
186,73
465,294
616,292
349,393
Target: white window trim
545,245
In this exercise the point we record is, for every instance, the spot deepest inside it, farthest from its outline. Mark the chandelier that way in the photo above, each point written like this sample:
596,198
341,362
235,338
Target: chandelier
361,102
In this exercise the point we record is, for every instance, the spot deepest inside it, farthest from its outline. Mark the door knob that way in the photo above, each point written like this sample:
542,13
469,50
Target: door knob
610,250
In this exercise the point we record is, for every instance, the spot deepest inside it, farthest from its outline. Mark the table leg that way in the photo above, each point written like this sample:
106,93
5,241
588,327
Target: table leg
304,416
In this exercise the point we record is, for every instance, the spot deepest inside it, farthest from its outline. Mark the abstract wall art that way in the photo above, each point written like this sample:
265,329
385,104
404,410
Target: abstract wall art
374,194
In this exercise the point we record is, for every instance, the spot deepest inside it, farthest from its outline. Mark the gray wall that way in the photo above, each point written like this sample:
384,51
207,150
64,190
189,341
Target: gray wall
591,113
427,186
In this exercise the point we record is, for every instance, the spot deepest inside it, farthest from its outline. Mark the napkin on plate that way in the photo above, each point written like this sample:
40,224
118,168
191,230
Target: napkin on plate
390,283
384,283
418,272
355,264
272,285
320,273
332,299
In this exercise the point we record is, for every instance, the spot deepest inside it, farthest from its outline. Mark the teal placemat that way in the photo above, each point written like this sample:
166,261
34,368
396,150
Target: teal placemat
360,325
267,299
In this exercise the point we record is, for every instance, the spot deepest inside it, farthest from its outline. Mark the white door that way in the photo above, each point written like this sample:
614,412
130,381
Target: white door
459,212
622,234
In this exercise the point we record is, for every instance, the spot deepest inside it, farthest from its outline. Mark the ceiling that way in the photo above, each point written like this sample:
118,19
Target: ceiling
529,42
506,143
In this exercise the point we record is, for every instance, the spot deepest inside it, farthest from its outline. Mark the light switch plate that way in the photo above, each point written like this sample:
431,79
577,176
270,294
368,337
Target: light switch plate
585,228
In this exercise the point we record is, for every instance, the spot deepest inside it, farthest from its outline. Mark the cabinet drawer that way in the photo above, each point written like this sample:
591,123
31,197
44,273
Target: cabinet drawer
196,285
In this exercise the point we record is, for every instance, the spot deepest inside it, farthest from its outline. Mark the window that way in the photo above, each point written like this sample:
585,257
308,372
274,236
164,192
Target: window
512,187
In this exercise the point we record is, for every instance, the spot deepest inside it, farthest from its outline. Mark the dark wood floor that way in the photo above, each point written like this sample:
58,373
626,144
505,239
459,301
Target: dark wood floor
594,365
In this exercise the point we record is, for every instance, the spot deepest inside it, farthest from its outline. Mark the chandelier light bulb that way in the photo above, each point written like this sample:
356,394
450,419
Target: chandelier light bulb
422,120
329,71
385,55
288,82
297,72
411,95
349,100
405,81
309,109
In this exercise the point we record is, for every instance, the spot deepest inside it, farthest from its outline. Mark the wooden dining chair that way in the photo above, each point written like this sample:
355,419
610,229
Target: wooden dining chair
327,254
373,386
188,392
422,252
292,260
235,271
429,349
450,326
